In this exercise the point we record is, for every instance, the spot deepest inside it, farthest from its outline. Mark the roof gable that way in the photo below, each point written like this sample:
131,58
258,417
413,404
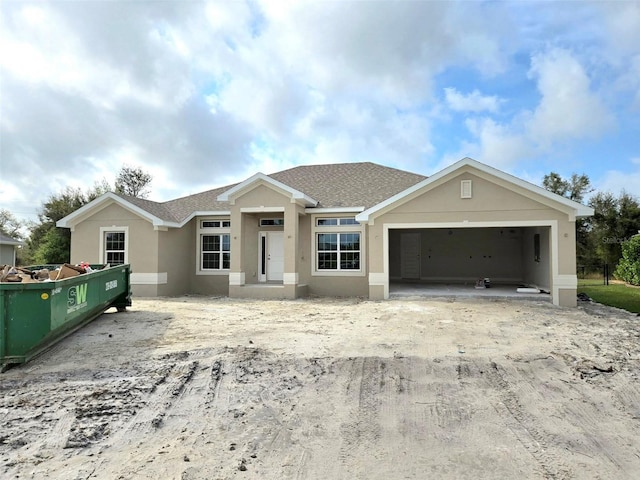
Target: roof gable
104,201
574,209
262,179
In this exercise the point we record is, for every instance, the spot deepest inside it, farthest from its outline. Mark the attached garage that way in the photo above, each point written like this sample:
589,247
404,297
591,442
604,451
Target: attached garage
507,255
469,222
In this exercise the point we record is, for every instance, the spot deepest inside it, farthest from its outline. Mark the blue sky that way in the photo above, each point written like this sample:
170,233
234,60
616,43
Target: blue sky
202,94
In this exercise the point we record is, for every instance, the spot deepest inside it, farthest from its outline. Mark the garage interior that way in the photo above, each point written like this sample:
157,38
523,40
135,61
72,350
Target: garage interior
451,261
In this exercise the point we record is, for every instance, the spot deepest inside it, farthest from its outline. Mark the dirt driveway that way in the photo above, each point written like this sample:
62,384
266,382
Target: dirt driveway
198,388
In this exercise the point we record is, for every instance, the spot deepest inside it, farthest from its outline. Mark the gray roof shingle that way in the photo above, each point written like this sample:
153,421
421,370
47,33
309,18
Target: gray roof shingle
362,184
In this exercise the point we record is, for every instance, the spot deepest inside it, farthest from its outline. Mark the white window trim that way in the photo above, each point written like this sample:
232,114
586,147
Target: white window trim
209,231
465,189
103,231
271,218
361,272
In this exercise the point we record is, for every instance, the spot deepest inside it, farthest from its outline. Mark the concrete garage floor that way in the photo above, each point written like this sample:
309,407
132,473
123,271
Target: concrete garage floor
453,290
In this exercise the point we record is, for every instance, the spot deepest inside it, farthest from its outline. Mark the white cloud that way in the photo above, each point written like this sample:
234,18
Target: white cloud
472,102
615,181
568,108
567,111
202,93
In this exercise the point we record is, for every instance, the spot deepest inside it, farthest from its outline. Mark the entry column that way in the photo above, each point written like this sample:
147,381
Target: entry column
236,271
290,277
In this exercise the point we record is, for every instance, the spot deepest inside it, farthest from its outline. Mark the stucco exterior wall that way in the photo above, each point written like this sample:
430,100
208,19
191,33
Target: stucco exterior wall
339,286
304,249
537,272
142,245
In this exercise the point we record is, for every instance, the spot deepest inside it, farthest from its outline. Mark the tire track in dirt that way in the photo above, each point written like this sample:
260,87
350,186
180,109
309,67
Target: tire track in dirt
360,433
524,427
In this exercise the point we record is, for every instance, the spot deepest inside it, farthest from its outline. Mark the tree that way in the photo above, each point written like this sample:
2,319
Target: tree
47,243
615,220
629,266
133,182
10,225
574,189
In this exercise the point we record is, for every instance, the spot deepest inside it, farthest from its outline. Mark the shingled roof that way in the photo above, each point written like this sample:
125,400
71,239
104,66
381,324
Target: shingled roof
333,185
348,184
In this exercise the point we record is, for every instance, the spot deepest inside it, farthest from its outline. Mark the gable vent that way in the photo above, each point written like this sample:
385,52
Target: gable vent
465,189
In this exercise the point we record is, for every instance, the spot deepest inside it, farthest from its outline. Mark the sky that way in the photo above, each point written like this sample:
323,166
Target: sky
204,94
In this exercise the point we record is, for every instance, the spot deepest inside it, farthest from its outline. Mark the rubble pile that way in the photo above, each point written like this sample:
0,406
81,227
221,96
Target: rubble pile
12,274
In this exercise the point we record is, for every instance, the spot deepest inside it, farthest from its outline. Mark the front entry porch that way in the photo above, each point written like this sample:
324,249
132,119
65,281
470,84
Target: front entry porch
270,290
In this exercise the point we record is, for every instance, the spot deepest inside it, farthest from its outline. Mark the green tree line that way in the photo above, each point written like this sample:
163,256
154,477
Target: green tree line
599,239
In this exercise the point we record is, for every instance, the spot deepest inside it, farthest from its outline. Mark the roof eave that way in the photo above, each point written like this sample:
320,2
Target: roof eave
103,201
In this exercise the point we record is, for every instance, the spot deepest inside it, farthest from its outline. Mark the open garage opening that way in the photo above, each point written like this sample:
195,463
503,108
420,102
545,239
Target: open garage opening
455,260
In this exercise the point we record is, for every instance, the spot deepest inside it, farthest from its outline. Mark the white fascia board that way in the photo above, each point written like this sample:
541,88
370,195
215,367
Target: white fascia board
204,213
579,210
11,242
261,177
334,210
103,201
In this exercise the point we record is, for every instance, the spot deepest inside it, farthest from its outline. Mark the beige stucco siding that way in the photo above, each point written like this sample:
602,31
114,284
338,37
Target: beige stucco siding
142,243
262,196
177,259
490,202
339,286
304,249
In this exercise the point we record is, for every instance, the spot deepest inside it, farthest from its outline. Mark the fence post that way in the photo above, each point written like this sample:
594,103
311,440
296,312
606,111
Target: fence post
606,274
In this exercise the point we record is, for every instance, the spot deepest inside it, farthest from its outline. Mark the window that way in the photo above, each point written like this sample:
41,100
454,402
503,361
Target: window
327,222
216,224
215,252
338,248
114,248
272,222
214,247
338,251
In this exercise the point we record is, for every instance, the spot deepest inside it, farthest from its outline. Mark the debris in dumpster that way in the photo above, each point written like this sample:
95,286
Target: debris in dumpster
12,274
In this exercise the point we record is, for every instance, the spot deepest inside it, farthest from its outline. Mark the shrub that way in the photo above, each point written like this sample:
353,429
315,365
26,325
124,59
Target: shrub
629,265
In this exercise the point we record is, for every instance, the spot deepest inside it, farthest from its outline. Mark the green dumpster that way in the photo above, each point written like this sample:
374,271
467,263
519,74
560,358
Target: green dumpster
34,316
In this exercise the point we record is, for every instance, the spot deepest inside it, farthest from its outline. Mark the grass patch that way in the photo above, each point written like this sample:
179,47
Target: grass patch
614,295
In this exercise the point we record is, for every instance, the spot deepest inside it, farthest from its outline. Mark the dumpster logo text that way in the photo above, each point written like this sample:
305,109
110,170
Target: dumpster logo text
77,298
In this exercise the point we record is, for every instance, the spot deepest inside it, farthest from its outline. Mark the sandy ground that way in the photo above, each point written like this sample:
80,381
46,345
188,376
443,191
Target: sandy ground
200,388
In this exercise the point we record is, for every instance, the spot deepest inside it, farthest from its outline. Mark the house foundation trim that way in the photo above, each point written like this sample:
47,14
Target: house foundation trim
290,279
159,278
236,278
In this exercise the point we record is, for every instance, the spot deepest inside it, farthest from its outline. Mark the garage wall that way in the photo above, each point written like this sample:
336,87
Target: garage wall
537,268
463,254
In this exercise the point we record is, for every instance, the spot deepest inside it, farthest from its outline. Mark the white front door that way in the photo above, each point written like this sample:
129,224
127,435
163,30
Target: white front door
410,255
271,256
